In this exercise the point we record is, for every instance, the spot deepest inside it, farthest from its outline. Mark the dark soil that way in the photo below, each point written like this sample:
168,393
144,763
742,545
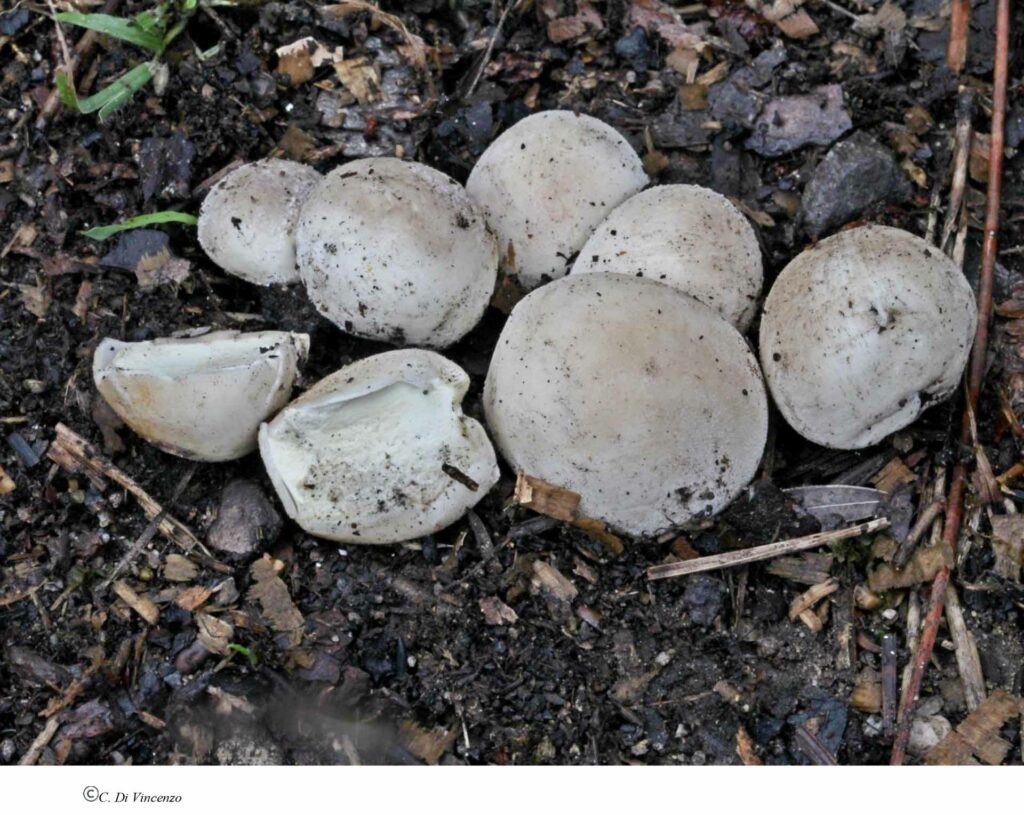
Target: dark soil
400,657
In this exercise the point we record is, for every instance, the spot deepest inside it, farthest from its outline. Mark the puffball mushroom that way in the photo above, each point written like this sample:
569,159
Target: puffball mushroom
546,182
201,397
380,451
863,331
638,397
247,221
396,251
686,236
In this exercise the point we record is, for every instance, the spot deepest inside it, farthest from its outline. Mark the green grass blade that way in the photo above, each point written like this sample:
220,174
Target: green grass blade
117,27
66,92
101,233
117,92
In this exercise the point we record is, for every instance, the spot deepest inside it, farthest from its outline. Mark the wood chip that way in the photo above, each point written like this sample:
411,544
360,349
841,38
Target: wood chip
693,96
924,564
496,612
967,660
546,499
180,569
550,581
1008,545
139,603
193,597
745,748
893,475
867,693
153,721
428,745
809,568
7,484
812,596
978,734
797,26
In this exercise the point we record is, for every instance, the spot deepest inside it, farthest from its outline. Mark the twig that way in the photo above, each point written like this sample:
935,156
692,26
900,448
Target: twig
889,655
35,750
813,747
976,375
921,526
956,48
961,157
490,49
149,532
967,660
75,454
766,552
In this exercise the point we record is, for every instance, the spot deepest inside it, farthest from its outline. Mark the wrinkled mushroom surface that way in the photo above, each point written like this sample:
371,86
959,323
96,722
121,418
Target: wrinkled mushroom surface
396,251
631,393
200,397
686,236
546,182
247,221
863,331
380,451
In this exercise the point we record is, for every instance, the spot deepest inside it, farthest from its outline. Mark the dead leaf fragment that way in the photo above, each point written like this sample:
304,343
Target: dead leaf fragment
978,734
213,633
1008,545
36,299
271,593
745,748
360,77
6,483
193,597
300,59
180,569
923,566
428,745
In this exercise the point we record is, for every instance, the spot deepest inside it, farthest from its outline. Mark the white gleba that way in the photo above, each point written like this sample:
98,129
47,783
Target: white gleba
863,331
200,397
380,451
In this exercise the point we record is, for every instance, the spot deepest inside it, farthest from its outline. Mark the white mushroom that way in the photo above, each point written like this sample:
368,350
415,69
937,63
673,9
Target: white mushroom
380,451
247,221
396,251
546,182
688,237
631,393
200,397
863,331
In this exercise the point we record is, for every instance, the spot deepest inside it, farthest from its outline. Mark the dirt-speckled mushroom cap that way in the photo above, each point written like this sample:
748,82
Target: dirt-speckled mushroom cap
396,251
686,236
863,331
247,221
631,393
201,397
546,182
380,451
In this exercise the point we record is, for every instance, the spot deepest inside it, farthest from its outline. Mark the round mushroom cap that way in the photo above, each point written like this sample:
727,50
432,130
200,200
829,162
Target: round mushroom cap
686,236
546,182
200,397
641,399
394,250
380,451
247,221
863,331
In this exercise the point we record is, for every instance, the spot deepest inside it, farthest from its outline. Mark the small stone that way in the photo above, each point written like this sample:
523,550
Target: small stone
704,599
633,48
790,122
855,174
246,521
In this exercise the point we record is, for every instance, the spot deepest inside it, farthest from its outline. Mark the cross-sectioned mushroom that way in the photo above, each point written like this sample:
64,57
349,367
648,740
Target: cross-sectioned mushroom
247,221
396,251
380,451
201,397
863,331
686,236
546,182
634,395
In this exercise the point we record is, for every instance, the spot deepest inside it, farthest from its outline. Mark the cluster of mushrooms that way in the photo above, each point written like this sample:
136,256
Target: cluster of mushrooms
623,375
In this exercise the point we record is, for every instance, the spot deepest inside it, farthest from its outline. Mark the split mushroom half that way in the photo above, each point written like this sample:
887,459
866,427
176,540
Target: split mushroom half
686,236
247,221
396,251
200,397
546,182
631,393
863,331
380,451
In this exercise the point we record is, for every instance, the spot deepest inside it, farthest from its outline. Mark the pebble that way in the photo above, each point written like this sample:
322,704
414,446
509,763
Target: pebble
246,521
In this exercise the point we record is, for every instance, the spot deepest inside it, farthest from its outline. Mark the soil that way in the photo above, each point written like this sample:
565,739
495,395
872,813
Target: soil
448,649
